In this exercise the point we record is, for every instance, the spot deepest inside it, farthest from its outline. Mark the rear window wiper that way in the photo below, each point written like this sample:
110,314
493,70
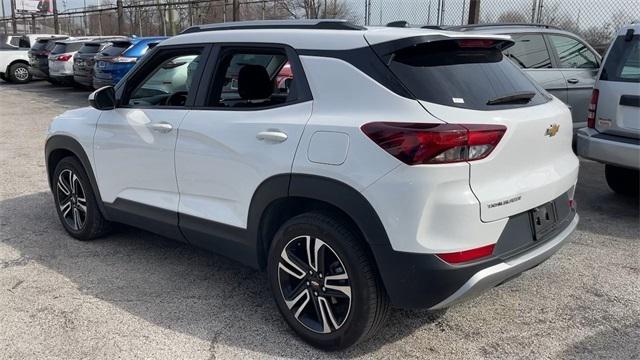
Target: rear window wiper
518,97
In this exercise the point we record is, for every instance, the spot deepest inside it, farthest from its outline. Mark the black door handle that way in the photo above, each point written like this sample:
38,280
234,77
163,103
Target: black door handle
573,81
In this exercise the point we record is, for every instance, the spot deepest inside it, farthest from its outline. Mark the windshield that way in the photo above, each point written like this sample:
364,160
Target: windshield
466,75
116,49
623,62
89,48
39,45
61,48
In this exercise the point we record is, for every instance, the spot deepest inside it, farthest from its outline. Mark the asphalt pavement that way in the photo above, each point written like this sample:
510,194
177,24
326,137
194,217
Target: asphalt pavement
138,295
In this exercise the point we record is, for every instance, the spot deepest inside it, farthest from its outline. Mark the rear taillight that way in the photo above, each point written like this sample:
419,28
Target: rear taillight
417,143
64,57
124,59
467,255
593,106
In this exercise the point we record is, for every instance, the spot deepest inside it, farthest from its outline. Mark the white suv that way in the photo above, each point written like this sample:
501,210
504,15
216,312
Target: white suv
405,167
612,135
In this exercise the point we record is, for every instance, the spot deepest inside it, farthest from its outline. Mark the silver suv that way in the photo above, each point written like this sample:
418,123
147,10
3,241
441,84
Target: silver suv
560,61
613,133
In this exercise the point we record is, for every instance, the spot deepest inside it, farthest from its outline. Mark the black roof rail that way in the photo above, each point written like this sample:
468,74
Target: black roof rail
320,24
433,27
490,25
399,24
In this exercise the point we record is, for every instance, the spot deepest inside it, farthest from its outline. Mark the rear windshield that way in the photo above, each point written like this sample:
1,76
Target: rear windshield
50,45
39,45
116,49
623,61
444,73
65,48
89,49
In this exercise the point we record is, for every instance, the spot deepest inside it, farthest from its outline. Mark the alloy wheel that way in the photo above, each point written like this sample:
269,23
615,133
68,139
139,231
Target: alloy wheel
315,284
71,199
21,73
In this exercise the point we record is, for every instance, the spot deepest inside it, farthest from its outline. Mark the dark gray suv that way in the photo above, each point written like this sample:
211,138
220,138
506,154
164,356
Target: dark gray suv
560,61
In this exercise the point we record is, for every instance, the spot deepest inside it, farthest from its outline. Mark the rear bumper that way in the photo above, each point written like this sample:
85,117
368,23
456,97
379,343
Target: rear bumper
415,280
98,83
83,80
38,72
62,78
609,149
499,273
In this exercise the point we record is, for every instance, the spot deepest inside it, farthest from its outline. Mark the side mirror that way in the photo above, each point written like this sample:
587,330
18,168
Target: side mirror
103,98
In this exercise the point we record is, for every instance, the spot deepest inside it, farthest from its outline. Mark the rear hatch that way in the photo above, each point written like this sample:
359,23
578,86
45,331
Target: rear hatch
107,61
84,59
468,81
39,52
618,108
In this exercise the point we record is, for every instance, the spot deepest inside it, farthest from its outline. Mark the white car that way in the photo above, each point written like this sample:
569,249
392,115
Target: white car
405,167
612,136
61,58
14,57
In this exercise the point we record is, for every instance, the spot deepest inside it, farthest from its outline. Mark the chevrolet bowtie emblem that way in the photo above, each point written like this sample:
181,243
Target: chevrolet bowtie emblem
552,130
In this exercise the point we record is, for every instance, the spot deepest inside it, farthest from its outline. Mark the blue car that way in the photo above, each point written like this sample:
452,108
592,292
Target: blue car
116,60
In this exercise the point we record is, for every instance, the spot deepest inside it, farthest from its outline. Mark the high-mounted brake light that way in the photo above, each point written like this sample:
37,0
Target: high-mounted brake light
476,43
124,59
418,143
593,107
64,57
467,255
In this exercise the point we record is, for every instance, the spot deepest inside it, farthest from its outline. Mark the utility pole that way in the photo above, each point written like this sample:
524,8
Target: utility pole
120,17
533,11
236,10
56,23
474,11
4,23
540,6
84,17
33,23
14,24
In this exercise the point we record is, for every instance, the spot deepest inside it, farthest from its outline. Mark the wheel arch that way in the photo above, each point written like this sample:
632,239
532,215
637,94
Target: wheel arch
281,197
17,61
58,147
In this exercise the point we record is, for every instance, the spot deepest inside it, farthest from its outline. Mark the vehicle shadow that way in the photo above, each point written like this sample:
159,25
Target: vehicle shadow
614,342
601,210
172,284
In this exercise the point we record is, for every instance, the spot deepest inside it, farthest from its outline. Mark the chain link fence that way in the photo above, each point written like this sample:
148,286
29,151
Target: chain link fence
595,20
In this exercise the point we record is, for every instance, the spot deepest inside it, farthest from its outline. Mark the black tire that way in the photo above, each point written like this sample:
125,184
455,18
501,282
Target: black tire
368,302
4,77
68,200
622,180
19,73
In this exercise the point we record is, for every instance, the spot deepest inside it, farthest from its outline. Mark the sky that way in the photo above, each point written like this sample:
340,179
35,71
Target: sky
588,12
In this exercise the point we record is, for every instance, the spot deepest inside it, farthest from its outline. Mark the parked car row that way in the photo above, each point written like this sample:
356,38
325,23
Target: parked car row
90,61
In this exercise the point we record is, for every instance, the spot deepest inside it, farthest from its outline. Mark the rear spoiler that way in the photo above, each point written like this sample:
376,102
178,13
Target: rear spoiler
497,42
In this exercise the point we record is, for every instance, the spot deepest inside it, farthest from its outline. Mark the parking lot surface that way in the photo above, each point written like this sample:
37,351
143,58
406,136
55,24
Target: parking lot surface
137,295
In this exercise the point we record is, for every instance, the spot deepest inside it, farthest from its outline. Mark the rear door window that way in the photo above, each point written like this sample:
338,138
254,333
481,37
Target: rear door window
529,52
572,53
623,61
250,79
454,74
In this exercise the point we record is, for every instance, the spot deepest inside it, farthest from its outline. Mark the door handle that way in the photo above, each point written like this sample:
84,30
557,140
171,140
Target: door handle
161,127
573,81
272,135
